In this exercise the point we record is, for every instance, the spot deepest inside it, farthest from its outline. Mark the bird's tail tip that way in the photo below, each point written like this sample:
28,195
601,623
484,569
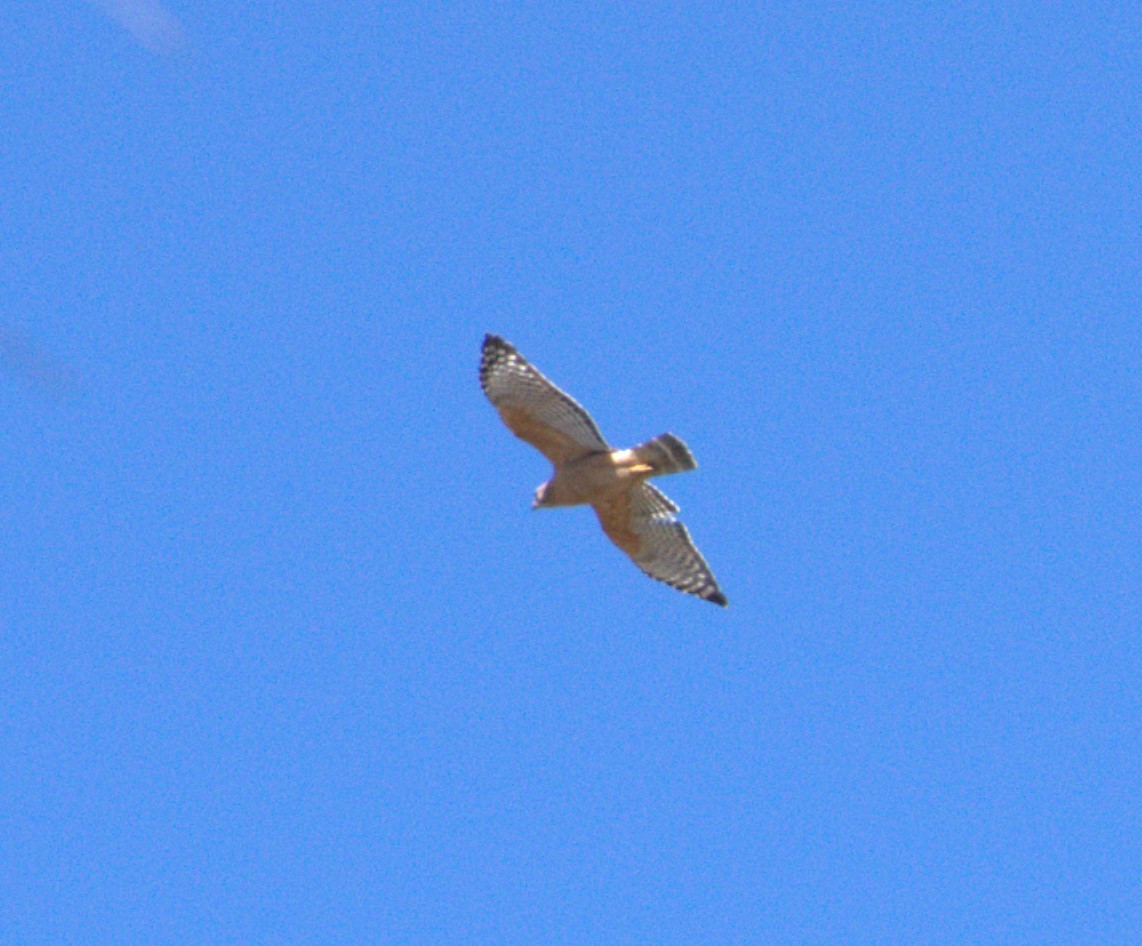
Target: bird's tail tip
666,454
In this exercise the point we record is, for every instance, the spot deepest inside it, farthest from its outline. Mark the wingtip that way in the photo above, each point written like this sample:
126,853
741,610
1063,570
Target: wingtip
494,350
717,598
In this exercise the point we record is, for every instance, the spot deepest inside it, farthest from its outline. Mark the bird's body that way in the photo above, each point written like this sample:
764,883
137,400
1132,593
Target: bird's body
597,477
635,515
583,481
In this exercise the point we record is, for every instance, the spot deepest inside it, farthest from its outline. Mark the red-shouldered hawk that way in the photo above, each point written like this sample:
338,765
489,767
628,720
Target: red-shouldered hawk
636,516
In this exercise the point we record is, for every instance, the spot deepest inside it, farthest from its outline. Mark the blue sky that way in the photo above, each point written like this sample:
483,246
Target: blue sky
285,657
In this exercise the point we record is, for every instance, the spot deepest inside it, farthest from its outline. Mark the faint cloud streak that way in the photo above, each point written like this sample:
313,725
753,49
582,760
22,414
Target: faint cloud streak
148,21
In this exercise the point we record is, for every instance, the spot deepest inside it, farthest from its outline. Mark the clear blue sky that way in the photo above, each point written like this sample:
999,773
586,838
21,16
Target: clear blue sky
285,656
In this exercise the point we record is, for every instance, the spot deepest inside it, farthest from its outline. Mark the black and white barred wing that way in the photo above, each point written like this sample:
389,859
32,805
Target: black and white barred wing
642,523
533,408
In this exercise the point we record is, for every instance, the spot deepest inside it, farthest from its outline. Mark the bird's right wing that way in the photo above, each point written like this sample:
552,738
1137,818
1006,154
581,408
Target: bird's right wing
641,522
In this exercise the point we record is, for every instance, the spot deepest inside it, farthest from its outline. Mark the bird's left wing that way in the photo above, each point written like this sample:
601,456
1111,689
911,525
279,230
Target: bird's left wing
534,409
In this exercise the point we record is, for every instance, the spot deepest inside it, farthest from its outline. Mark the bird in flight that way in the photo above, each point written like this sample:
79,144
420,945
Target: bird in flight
635,515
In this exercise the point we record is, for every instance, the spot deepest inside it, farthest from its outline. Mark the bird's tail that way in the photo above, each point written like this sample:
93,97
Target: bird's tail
665,454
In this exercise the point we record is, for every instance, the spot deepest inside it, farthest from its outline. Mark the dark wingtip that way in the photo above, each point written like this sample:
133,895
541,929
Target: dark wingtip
493,349
717,598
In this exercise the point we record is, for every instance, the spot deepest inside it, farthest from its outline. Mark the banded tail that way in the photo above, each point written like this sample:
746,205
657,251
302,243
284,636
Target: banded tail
665,454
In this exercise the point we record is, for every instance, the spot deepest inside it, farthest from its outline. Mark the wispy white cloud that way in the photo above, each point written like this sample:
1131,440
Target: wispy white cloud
148,21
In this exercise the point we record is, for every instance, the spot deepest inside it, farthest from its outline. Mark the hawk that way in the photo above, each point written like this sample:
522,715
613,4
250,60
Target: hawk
636,516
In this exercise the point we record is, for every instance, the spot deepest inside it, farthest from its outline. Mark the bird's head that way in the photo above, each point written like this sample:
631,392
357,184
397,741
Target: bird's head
541,498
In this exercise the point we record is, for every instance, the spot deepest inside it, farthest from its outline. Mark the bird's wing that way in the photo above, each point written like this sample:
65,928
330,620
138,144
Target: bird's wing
534,409
641,522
